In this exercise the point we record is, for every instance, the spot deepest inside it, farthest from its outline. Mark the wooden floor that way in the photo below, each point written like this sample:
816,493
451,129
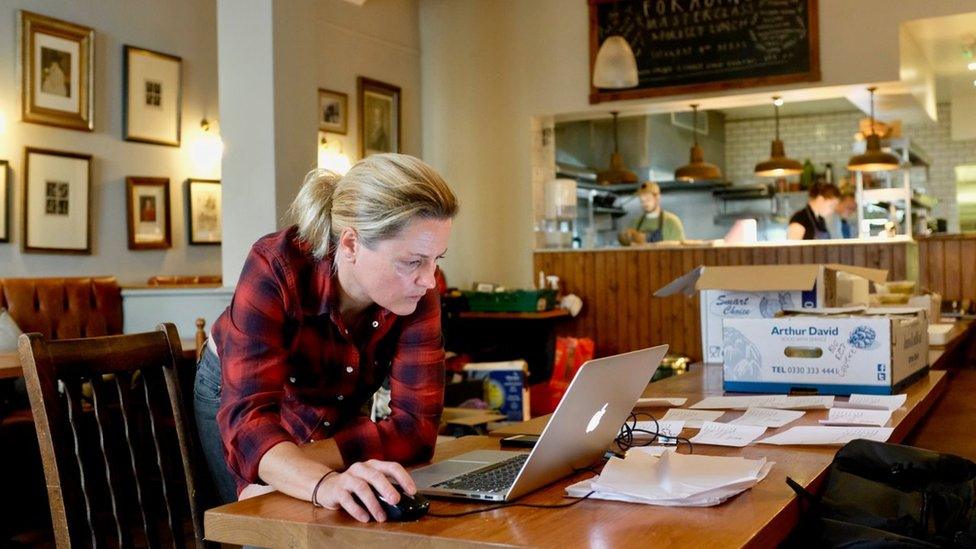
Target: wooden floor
949,425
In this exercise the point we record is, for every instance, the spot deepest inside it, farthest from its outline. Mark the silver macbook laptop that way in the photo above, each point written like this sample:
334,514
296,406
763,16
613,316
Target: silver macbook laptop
597,402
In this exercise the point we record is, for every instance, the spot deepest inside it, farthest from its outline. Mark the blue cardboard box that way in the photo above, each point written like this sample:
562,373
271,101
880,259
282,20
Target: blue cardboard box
506,386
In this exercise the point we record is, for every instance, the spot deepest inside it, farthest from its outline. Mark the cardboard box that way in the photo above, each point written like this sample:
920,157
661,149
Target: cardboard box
506,386
759,291
831,352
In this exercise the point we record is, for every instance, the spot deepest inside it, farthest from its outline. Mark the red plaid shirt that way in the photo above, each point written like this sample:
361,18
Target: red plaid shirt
291,371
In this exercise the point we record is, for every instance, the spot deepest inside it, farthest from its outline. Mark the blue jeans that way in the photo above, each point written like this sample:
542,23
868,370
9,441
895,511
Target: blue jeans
206,399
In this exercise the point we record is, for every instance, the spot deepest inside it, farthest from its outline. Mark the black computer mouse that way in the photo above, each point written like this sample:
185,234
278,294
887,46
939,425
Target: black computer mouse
407,509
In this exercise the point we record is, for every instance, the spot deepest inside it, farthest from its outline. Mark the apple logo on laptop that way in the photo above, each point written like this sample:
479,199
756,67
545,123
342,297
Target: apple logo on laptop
595,420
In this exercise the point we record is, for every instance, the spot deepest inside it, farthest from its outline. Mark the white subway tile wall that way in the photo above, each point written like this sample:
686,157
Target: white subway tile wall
829,138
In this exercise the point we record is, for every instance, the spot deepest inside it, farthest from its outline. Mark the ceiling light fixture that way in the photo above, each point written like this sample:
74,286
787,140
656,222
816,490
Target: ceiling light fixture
873,159
617,172
615,67
778,165
697,169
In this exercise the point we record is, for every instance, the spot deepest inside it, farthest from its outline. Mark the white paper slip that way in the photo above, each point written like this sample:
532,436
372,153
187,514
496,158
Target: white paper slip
854,416
655,451
727,434
824,435
693,418
767,417
817,402
737,402
660,402
783,402
876,402
667,430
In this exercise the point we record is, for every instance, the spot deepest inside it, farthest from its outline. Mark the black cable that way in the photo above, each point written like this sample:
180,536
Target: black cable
590,469
625,440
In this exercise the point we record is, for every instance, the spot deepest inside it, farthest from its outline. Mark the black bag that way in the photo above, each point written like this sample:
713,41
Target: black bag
888,495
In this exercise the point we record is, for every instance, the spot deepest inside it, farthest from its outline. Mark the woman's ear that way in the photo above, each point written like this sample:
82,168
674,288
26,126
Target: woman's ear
348,245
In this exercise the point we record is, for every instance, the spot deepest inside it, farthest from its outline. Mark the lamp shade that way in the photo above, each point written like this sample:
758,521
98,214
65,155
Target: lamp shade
873,159
697,169
615,66
778,165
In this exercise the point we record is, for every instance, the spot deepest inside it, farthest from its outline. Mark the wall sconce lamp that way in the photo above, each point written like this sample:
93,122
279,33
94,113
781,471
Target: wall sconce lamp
331,155
207,148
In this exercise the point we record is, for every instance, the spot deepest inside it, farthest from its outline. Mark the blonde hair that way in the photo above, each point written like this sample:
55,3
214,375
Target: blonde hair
649,187
377,198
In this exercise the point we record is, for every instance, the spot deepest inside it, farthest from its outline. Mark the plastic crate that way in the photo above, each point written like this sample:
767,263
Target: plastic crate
515,301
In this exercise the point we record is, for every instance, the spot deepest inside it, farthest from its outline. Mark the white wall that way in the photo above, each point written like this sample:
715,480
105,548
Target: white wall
327,44
316,44
184,28
488,66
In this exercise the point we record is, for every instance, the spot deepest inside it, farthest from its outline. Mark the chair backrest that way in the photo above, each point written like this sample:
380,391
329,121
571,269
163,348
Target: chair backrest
122,466
62,308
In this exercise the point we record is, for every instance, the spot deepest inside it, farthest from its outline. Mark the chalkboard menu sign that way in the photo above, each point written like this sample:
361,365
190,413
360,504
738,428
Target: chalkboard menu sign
688,46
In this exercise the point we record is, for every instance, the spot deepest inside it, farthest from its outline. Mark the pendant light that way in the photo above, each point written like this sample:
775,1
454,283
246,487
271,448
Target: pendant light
697,169
617,172
778,165
615,67
873,159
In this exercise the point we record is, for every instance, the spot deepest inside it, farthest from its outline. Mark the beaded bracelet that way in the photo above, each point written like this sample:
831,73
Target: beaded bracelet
315,491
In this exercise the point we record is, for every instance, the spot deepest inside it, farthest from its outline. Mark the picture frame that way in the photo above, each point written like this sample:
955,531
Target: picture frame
57,72
147,209
57,201
333,111
5,195
152,96
204,211
379,116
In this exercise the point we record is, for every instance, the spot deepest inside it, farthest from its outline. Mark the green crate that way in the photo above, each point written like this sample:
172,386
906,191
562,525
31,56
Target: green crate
515,301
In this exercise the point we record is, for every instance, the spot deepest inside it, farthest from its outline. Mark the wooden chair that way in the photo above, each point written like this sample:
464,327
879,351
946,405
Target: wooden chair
122,470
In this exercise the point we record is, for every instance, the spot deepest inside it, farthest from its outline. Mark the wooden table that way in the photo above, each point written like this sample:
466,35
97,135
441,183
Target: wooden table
10,362
760,517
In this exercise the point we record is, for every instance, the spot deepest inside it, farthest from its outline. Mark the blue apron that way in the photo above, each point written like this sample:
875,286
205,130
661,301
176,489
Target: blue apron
655,235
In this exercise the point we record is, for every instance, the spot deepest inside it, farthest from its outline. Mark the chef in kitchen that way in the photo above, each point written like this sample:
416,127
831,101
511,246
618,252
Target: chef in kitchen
656,224
809,223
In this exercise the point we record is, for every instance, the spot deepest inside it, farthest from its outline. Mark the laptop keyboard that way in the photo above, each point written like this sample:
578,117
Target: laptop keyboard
497,477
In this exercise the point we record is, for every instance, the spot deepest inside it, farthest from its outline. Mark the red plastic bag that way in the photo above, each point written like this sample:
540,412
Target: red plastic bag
571,353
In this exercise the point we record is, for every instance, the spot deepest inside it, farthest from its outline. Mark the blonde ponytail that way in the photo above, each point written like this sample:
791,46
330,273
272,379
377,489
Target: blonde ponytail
377,197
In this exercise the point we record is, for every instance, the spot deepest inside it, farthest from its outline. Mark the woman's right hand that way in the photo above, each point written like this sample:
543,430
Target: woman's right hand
337,490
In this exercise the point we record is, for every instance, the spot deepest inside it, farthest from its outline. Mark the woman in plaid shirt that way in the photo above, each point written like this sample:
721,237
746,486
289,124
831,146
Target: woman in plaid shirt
324,311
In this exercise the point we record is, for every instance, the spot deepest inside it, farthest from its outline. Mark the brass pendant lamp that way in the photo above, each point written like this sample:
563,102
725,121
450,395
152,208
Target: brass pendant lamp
617,172
873,159
697,169
778,165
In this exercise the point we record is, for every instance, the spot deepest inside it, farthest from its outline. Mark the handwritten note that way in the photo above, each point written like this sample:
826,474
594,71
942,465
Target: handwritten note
727,434
693,418
767,417
783,402
854,416
660,402
819,402
874,402
823,435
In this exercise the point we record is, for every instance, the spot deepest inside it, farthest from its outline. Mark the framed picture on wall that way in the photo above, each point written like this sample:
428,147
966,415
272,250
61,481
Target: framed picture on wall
57,72
203,211
57,201
4,201
379,117
147,213
152,96
333,111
